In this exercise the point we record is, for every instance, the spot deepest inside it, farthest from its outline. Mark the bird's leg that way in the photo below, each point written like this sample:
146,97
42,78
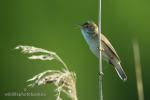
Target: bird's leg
94,35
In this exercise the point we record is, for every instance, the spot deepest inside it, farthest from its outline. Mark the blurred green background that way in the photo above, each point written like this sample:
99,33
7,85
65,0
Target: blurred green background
52,25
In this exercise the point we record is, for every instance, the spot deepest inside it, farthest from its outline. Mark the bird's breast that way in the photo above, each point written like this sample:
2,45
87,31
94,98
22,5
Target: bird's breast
93,45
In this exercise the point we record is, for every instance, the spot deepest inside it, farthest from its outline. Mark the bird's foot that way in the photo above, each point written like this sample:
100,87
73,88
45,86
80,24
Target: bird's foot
100,48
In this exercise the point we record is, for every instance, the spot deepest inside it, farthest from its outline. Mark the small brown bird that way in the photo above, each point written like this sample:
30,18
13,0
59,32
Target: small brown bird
90,33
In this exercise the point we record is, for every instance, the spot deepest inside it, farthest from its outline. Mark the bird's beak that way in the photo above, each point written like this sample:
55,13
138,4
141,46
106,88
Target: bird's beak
79,26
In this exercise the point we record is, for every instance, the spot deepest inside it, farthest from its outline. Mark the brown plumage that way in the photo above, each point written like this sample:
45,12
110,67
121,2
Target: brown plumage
90,33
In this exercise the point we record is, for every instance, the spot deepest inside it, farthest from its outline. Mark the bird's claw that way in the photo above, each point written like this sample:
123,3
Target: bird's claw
101,49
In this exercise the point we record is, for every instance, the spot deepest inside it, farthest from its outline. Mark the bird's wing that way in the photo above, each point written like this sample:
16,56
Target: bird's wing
106,41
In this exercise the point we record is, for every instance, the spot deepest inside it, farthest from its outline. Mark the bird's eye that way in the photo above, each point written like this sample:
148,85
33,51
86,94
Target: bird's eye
87,26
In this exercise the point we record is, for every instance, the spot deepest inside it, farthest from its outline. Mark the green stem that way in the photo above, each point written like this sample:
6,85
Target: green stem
100,55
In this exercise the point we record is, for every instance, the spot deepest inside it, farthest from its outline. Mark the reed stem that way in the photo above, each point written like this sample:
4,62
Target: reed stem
138,70
100,55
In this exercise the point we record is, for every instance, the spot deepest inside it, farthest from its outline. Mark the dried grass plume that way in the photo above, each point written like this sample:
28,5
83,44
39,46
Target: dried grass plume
64,80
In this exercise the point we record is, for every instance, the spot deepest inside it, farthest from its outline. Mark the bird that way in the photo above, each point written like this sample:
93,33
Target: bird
90,33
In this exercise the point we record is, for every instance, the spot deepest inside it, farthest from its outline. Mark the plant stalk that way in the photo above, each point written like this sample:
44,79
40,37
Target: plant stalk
100,55
138,70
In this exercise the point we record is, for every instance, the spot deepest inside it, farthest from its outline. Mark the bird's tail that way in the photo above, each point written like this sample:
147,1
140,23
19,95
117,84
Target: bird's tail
119,70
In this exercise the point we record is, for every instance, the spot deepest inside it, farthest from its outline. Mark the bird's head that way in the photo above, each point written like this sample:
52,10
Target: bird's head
89,28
